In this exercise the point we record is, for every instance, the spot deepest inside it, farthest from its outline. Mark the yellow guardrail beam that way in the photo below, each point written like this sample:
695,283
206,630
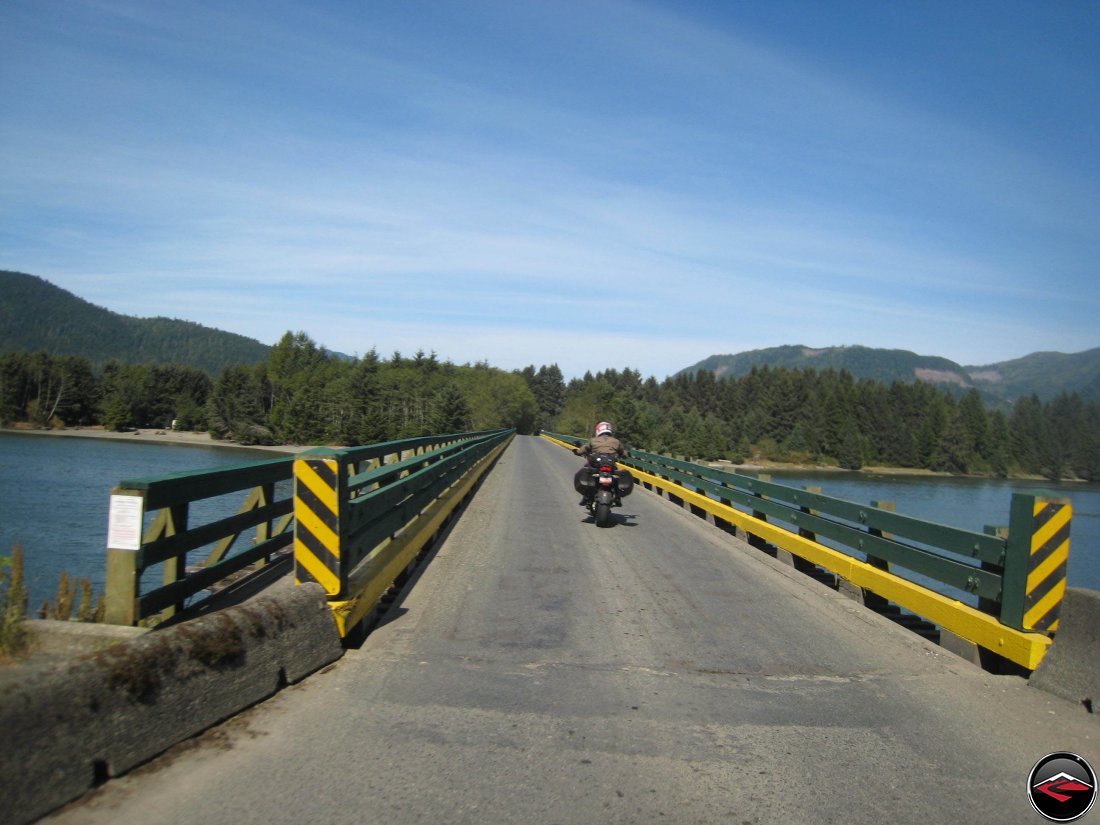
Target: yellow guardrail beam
1025,649
557,441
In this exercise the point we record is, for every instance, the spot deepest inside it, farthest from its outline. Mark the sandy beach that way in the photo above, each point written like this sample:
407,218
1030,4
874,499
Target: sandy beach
158,436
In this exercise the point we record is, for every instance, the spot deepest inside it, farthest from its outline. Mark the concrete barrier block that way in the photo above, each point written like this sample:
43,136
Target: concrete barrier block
1071,668
70,725
53,637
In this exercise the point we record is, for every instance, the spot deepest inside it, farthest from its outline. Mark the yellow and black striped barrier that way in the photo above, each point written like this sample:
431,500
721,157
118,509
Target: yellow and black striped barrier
317,533
361,520
1035,569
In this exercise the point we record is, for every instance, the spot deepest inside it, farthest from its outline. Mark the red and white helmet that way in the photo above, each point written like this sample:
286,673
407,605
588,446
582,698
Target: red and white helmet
603,428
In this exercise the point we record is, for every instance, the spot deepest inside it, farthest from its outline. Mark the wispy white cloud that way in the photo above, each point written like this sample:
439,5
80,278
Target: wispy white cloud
343,171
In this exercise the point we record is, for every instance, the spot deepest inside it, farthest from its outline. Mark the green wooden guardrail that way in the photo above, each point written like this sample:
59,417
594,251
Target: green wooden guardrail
1018,576
153,522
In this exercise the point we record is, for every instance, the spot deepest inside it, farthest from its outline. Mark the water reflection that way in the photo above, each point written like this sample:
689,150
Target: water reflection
971,504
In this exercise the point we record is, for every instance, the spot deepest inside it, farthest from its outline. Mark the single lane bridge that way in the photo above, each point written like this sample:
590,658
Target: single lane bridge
537,669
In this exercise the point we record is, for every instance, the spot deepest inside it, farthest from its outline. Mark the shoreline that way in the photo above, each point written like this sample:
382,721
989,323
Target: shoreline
157,436
759,466
765,467
197,439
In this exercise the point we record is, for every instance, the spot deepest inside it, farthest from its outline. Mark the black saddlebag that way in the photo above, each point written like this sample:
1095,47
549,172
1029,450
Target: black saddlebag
626,482
583,481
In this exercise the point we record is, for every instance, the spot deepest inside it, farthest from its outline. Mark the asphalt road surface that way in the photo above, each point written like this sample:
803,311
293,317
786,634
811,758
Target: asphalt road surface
543,670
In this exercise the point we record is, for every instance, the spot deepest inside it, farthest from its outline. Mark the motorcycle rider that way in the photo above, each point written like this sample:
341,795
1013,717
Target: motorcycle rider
603,442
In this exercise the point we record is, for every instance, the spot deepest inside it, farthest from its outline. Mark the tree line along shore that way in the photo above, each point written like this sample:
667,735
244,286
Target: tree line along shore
770,418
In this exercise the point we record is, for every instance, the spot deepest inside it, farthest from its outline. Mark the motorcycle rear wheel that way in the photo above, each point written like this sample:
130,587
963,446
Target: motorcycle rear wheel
603,515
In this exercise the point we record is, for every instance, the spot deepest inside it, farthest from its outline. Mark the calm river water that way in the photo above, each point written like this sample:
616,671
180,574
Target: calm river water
970,504
54,494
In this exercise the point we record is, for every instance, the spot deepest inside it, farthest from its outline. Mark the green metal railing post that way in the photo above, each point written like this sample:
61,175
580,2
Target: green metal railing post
873,600
986,605
753,540
803,531
800,563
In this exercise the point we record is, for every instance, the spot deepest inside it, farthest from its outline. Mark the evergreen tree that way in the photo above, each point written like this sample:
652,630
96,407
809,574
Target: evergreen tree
672,433
799,444
450,412
13,387
1026,434
954,452
548,387
998,455
974,421
932,426
81,397
694,441
120,396
235,407
850,455
117,415
715,441
1087,457
623,414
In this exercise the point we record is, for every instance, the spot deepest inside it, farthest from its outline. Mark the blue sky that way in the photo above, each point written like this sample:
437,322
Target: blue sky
594,184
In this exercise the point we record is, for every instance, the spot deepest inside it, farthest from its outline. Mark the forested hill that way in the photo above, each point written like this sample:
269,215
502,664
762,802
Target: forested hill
1046,374
36,315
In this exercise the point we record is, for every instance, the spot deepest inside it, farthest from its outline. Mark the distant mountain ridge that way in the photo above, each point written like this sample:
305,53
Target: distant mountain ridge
37,315
1046,374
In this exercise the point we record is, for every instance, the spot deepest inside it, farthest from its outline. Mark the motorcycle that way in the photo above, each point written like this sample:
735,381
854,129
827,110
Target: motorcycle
602,484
